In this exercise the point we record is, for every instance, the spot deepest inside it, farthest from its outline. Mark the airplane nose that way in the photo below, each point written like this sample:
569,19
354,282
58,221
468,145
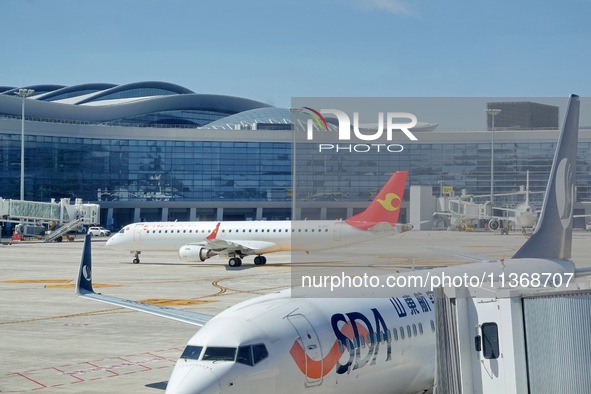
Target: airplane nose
193,379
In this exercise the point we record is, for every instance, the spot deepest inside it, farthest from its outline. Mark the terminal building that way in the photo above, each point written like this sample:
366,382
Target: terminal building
157,151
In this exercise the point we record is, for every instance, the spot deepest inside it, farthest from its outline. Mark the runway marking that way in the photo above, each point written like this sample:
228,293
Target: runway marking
174,302
87,371
101,312
22,281
72,285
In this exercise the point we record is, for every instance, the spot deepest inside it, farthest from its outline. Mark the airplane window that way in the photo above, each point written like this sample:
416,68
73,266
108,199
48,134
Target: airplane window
362,341
414,330
190,231
432,326
402,332
421,328
184,231
244,355
326,230
250,231
408,331
312,230
299,230
219,353
395,333
259,353
192,352
274,230
243,230
341,346
159,231
223,231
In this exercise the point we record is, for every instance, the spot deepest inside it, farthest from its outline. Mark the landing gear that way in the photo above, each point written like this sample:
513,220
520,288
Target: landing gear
136,258
260,260
235,262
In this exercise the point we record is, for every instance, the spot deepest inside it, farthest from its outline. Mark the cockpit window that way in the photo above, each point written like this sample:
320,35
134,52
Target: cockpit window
244,355
192,352
122,230
259,352
219,353
251,355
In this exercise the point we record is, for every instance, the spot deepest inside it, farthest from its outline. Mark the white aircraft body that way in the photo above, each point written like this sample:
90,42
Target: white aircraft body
523,216
276,343
198,241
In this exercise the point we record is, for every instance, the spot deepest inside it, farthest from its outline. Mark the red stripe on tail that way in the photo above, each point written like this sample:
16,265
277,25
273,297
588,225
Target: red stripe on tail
385,207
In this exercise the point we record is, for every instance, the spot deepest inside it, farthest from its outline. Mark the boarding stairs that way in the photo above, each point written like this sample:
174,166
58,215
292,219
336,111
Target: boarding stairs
57,235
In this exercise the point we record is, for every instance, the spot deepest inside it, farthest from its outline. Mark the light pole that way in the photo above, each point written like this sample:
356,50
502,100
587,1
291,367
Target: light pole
23,93
492,112
294,112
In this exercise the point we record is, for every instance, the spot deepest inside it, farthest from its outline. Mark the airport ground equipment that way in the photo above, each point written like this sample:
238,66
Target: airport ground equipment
62,215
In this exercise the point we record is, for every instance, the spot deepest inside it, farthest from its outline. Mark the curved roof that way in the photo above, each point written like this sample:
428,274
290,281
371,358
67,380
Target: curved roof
76,90
136,104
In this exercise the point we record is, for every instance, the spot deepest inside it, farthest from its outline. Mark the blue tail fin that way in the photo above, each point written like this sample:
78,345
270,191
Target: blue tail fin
84,282
552,238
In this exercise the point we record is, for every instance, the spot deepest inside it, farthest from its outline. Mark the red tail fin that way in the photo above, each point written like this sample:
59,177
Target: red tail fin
214,233
385,207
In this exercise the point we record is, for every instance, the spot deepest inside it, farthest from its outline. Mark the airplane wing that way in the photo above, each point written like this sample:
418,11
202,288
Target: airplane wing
84,289
222,246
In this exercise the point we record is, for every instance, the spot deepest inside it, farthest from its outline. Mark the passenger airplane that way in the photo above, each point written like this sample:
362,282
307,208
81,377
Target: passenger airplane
276,343
461,211
198,241
523,215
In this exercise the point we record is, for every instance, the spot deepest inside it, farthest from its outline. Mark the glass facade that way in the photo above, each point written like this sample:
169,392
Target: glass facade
333,175
102,169
143,170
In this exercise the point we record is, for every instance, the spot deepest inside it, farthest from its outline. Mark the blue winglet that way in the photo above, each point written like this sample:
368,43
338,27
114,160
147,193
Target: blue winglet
84,282
552,238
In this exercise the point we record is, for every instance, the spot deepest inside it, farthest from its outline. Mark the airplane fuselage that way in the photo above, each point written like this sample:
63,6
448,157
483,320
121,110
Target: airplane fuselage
273,236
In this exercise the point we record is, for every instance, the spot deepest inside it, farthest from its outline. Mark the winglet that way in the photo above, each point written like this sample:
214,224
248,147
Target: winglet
552,238
214,233
385,207
84,282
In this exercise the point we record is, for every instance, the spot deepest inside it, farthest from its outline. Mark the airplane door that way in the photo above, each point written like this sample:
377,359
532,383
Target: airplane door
336,233
310,343
137,233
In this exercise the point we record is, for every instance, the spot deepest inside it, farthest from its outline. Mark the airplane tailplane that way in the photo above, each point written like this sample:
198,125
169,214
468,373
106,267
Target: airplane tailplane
552,238
385,207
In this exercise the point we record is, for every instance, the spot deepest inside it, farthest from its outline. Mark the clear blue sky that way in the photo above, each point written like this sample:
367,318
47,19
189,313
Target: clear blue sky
273,50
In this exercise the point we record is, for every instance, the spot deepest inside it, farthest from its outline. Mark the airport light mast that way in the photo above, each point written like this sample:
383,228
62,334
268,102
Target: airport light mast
23,93
492,112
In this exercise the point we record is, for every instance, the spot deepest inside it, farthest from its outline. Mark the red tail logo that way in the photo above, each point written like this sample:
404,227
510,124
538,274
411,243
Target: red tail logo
386,205
214,233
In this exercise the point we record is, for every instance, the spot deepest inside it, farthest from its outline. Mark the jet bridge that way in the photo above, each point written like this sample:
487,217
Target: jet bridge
60,217
513,341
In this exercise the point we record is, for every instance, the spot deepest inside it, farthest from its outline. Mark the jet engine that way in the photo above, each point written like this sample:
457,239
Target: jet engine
494,224
194,253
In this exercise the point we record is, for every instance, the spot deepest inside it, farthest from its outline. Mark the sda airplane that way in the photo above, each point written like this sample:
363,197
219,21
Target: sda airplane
198,241
276,343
